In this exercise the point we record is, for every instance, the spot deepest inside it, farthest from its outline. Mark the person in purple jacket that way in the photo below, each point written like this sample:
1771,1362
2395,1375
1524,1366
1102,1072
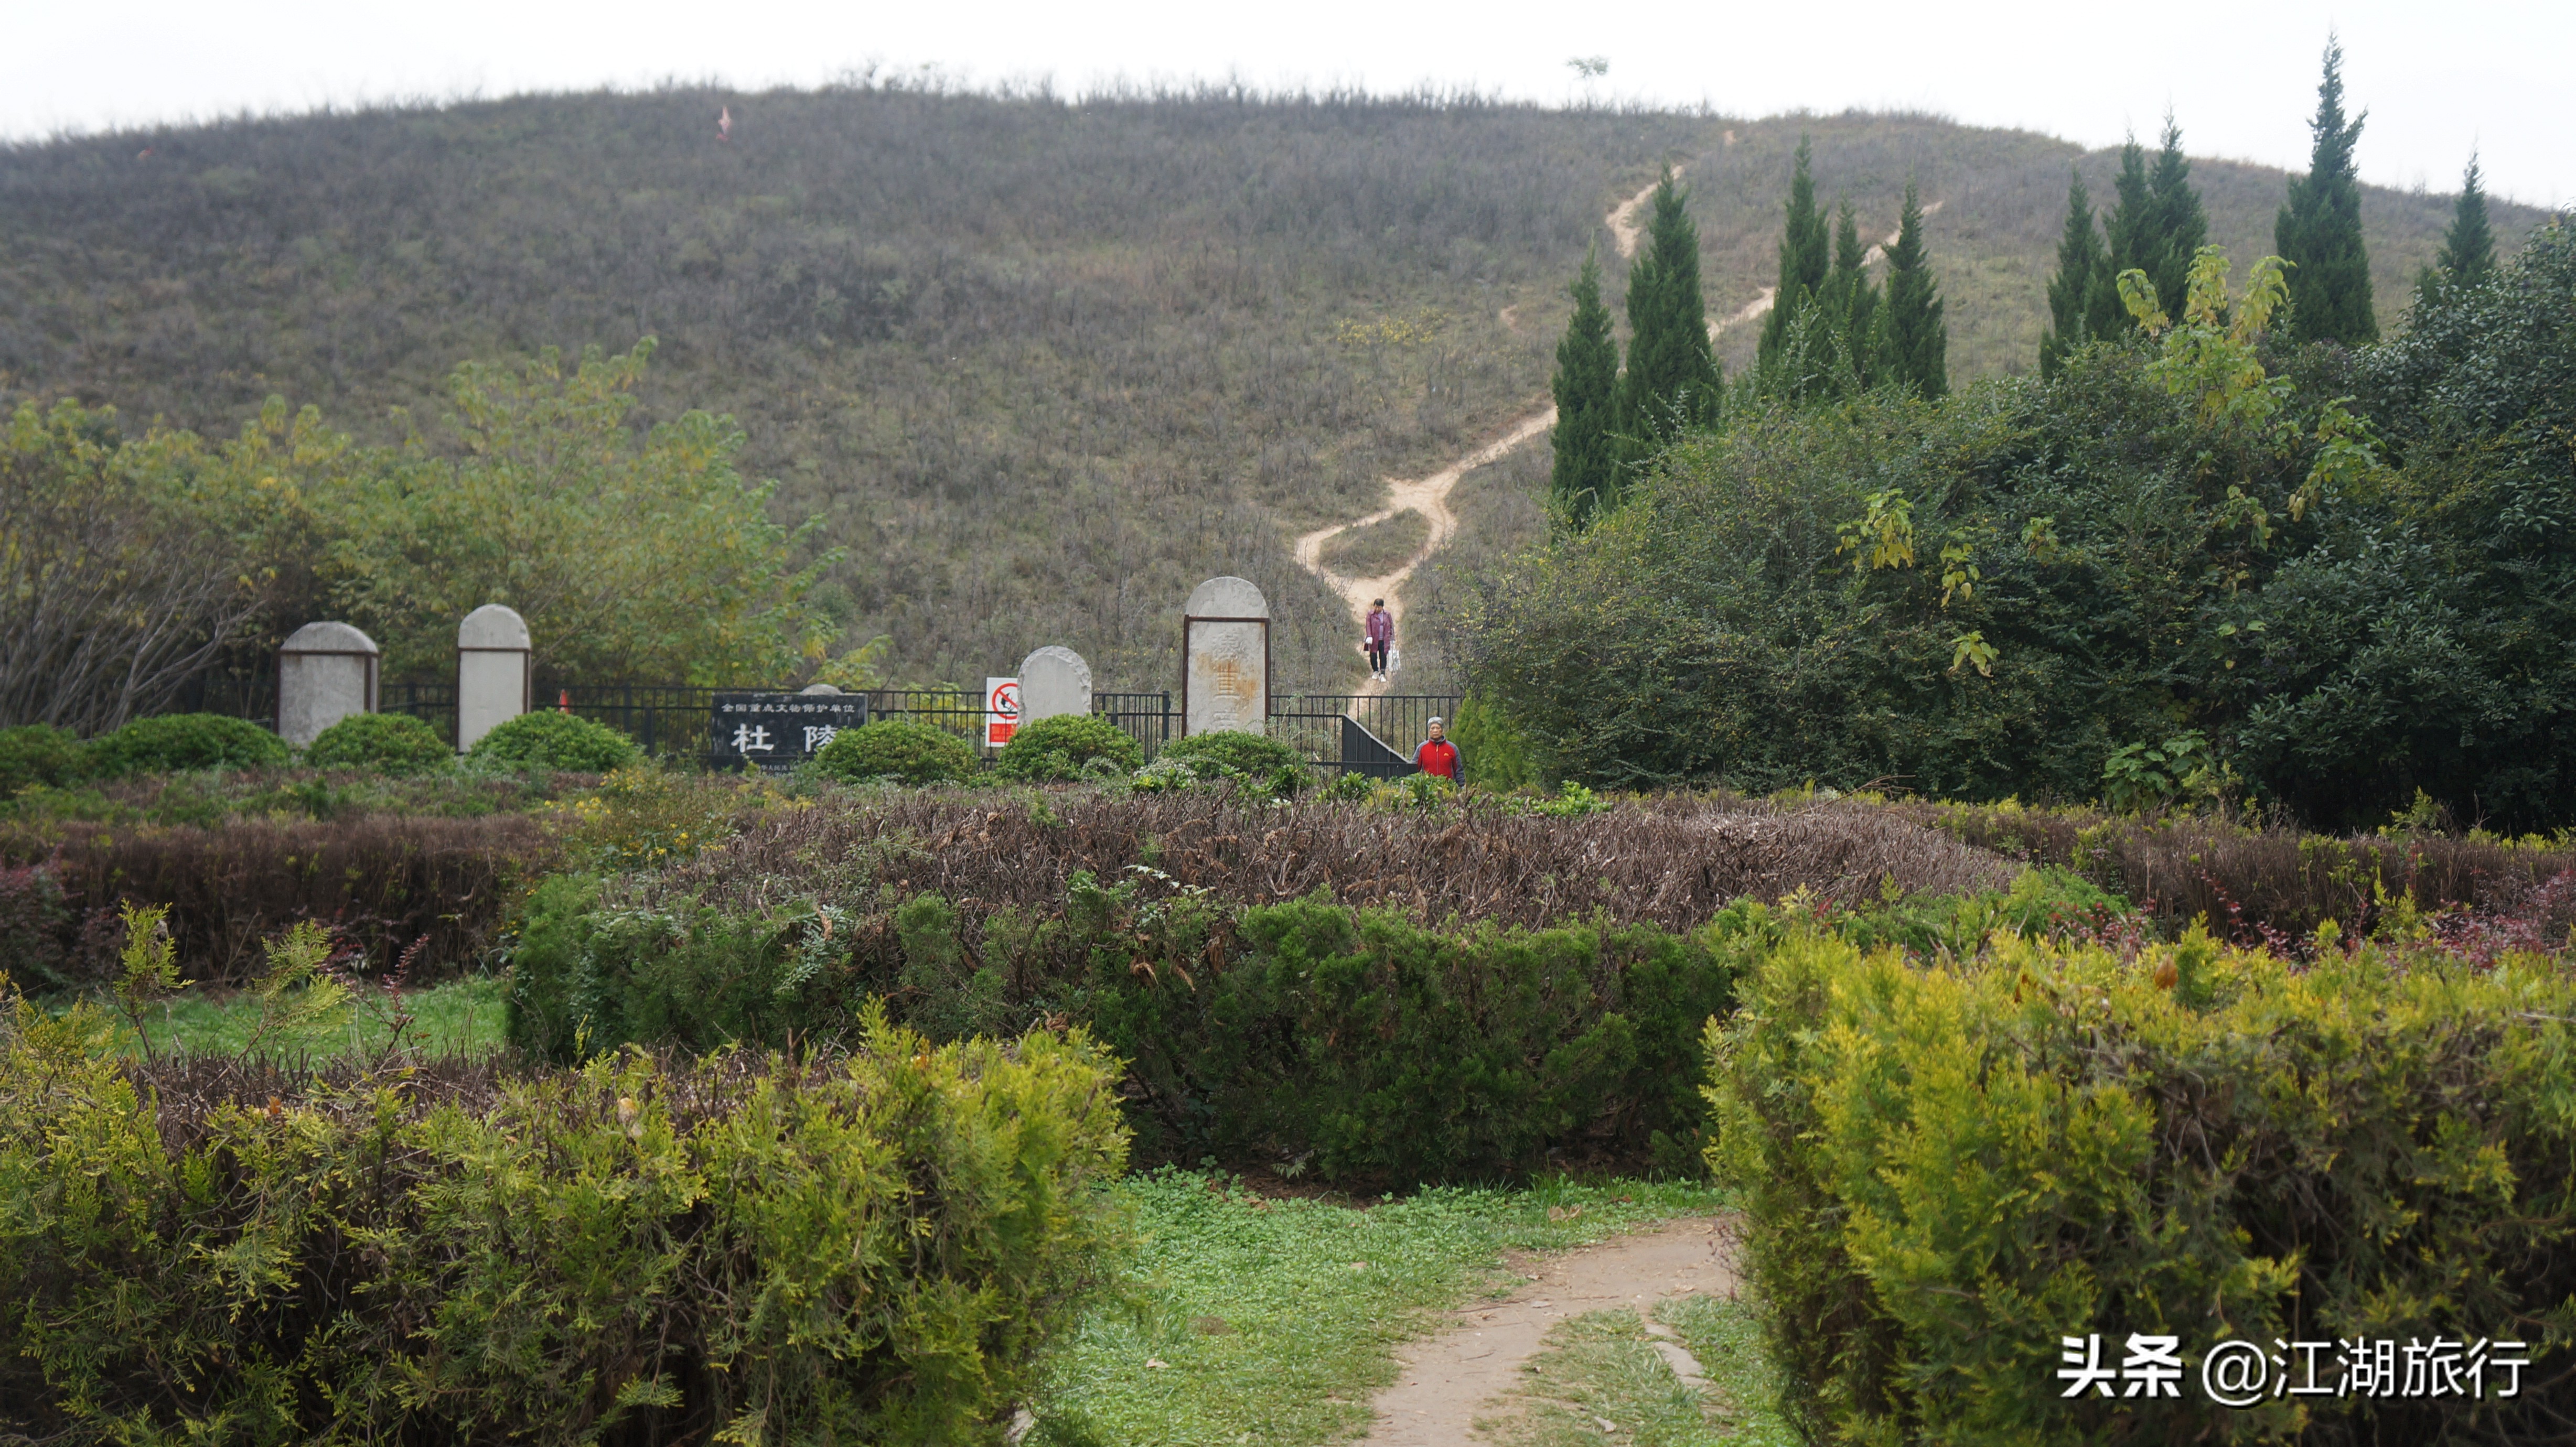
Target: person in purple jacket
1381,637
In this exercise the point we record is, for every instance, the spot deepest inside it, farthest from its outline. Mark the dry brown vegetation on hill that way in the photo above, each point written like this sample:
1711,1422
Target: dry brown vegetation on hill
1040,366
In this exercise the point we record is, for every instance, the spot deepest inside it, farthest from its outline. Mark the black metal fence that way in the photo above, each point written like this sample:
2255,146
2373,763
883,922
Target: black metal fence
1342,732
1374,734
952,710
251,696
1148,718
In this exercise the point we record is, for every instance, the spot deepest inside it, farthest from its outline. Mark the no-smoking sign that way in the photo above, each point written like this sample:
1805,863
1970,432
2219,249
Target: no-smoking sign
1001,710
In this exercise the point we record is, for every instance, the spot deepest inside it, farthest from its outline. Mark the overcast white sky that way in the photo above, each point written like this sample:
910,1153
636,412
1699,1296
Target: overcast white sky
2240,75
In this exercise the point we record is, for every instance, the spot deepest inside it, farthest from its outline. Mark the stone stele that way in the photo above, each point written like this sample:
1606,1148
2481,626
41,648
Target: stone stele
492,678
1228,663
325,672
1053,680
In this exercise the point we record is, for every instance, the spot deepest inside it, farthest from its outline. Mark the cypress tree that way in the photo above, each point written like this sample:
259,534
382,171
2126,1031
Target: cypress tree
2128,235
2176,228
1587,394
2319,230
2468,248
1803,256
2079,257
1672,376
1917,342
1846,307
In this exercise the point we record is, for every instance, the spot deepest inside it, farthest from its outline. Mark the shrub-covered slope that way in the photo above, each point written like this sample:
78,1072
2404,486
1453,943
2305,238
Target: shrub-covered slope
1040,366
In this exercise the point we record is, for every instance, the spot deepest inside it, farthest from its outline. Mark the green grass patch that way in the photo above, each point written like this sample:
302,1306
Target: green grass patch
1379,548
1725,1337
1275,1320
459,1017
1603,1368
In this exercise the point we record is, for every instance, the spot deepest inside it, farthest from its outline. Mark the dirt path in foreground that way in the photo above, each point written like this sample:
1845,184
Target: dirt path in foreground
1466,1367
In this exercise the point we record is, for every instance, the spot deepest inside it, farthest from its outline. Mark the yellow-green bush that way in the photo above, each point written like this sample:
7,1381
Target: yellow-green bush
860,1248
1948,1169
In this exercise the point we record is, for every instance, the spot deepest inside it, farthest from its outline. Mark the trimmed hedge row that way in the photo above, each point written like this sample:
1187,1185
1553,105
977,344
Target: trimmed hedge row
1947,1170
1384,1049
1378,1046
869,1248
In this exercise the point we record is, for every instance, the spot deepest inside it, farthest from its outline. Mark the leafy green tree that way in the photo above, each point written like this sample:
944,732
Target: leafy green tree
2319,229
1672,380
2468,248
1915,344
2080,257
632,558
1586,474
1805,257
121,573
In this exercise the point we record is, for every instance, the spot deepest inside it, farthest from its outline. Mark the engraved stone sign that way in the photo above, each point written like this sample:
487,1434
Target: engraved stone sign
774,732
325,672
492,678
1225,658
1054,680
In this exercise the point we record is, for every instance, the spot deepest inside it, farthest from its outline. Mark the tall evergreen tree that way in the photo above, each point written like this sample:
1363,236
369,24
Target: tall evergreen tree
1847,307
2319,230
2079,257
1586,477
1672,379
2468,248
1915,350
2128,235
2176,227
1804,257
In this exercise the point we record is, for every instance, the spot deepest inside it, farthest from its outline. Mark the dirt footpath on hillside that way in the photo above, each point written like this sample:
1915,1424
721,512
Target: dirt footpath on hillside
1468,1366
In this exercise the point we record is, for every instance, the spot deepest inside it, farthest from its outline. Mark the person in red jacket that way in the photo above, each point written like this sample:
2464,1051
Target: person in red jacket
1437,755
1379,638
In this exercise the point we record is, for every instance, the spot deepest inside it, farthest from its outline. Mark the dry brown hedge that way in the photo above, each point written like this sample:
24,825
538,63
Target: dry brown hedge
1673,861
384,883
2253,880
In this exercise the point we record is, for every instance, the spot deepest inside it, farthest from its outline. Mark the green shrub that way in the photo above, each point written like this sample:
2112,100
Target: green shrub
1348,787
1948,1170
1255,756
174,741
870,1248
1065,747
550,739
388,743
1492,753
1250,759
897,749
39,754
